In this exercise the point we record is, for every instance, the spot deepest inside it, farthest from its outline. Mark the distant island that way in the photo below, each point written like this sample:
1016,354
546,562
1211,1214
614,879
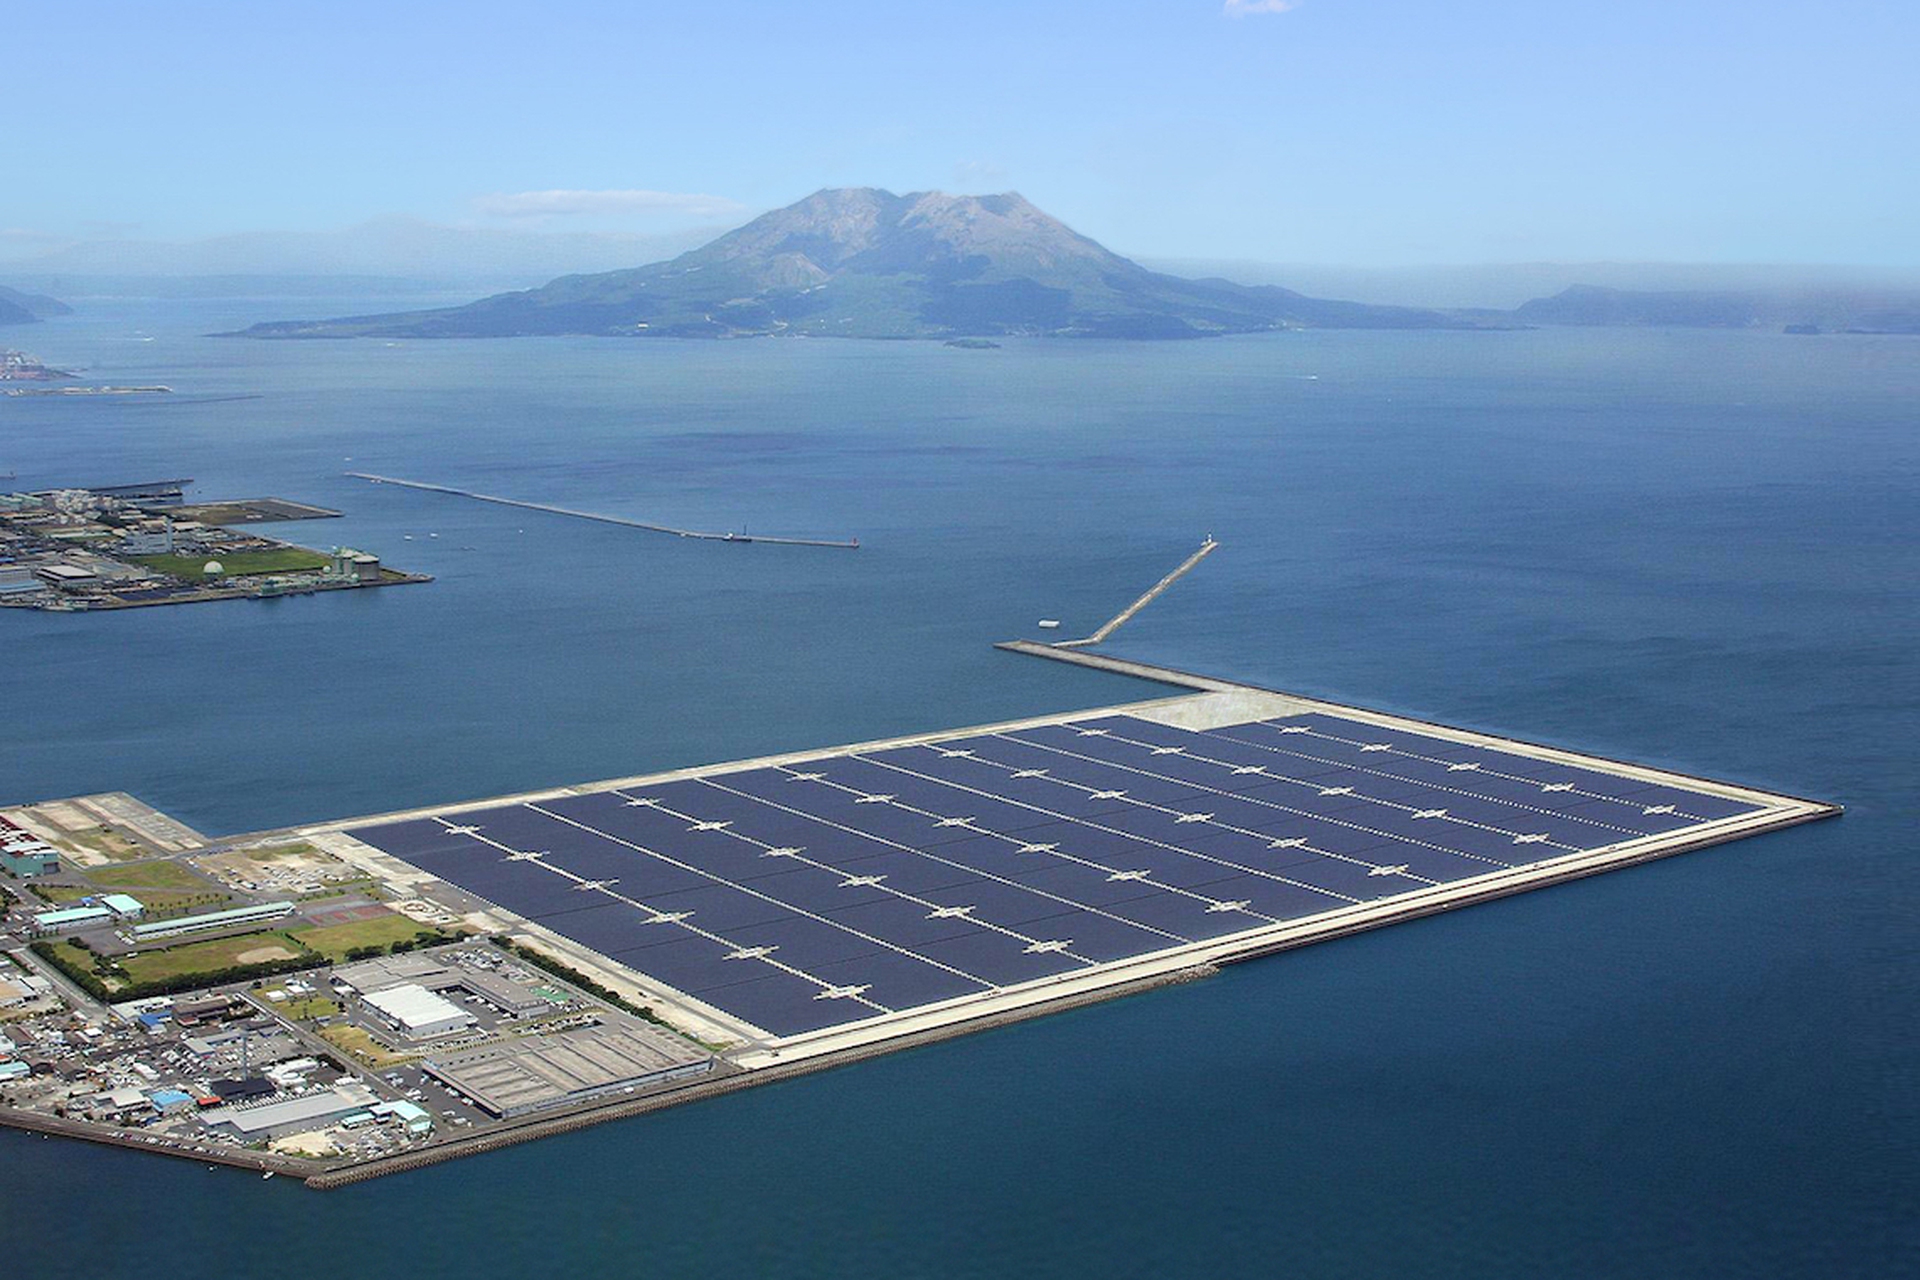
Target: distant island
1804,311
29,308
864,263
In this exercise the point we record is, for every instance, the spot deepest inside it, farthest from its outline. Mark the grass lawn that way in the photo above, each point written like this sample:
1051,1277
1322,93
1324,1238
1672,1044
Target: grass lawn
297,1008
149,875
160,903
335,940
364,1047
169,904
164,888
236,563
206,957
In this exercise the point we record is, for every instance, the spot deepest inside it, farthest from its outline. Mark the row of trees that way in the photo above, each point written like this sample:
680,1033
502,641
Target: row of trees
85,976
400,946
541,960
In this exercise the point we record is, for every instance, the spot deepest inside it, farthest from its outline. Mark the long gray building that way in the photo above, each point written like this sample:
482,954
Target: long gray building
513,1078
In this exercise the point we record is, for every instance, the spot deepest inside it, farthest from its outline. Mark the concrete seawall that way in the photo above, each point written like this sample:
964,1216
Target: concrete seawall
733,1083
155,1144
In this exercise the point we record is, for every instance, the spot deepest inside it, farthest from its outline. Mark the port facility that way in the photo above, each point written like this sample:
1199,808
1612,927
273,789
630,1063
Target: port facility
823,901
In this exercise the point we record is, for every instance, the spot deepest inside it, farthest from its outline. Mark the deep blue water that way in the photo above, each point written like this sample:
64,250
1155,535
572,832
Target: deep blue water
1689,549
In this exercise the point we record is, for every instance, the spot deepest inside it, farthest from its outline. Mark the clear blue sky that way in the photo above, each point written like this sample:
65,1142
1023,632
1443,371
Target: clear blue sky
1338,131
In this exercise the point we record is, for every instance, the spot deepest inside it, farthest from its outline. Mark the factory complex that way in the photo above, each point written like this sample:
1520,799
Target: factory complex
131,546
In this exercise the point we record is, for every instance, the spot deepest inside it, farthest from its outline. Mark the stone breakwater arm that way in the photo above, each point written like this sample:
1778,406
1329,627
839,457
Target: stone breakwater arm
849,544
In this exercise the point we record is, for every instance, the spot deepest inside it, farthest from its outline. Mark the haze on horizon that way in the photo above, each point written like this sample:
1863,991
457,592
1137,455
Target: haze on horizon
1305,132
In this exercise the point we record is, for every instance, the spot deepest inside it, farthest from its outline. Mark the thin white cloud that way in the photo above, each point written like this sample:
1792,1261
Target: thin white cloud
567,204
1247,8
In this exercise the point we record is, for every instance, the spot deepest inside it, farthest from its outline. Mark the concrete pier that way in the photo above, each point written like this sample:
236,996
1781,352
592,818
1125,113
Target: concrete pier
1153,593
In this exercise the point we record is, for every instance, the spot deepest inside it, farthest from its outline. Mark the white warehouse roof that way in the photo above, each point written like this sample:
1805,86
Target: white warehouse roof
414,1008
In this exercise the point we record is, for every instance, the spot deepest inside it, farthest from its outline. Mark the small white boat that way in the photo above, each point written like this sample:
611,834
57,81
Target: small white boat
1049,624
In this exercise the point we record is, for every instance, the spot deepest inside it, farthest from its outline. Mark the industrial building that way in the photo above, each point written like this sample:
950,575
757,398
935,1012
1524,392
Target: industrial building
512,1078
364,977
121,1101
24,854
192,1011
360,565
265,1121
149,542
417,1013
212,920
28,858
67,919
247,1089
515,999
66,577
509,997
260,1047
416,1118
123,906
105,909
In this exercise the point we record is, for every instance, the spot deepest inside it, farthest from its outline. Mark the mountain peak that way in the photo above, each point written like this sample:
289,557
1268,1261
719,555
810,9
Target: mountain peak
867,230
865,262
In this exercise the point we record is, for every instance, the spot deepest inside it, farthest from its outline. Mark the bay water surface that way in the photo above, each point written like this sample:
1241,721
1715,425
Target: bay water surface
1688,549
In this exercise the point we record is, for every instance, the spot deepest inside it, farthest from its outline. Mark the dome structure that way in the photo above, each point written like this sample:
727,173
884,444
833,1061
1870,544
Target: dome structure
212,569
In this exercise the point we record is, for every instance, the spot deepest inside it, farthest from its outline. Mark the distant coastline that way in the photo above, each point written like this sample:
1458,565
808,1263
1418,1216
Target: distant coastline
18,366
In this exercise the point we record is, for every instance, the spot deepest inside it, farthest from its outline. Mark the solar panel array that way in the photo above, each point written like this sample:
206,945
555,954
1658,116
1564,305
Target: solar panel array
802,897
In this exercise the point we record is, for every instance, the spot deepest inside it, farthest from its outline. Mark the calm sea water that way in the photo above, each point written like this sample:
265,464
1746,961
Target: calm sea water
1690,549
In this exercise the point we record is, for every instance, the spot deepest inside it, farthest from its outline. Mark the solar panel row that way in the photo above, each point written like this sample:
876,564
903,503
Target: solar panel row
799,898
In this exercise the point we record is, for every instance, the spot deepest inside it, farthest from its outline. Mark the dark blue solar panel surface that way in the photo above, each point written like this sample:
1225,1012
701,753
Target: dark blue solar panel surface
805,897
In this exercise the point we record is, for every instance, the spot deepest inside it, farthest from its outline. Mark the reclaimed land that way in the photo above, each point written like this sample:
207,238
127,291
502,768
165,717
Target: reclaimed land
1190,963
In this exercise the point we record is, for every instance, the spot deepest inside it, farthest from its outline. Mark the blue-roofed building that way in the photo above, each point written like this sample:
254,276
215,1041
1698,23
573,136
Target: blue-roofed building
417,1118
123,906
69,918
